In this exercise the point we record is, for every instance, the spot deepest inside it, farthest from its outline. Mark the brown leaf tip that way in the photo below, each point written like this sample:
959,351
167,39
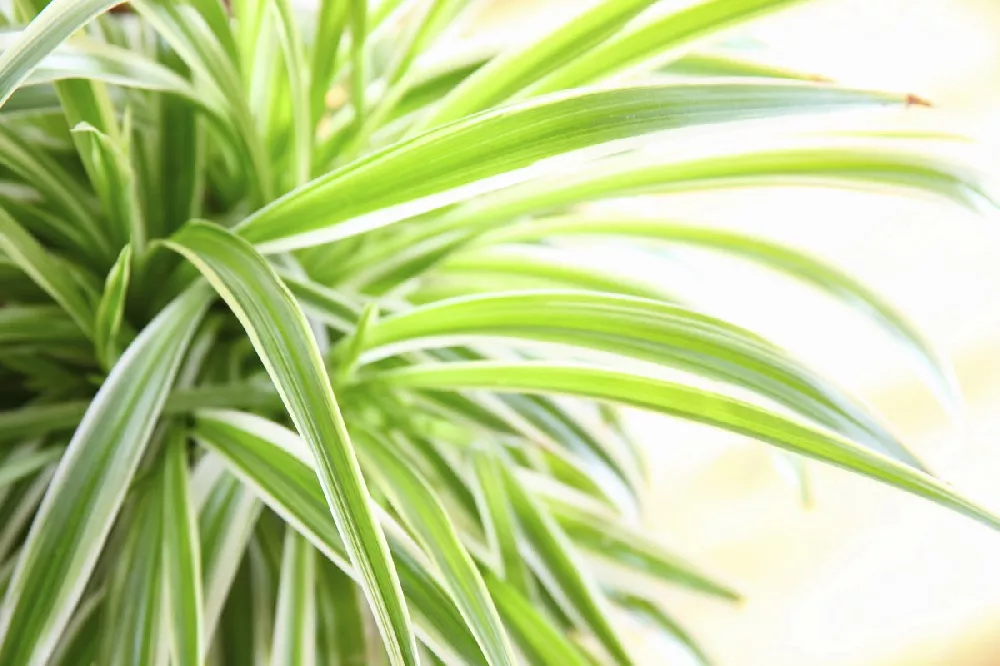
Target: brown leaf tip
913,100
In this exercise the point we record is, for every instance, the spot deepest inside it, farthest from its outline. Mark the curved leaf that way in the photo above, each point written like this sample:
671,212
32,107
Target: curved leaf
492,150
792,262
644,329
283,341
277,464
90,484
52,26
688,403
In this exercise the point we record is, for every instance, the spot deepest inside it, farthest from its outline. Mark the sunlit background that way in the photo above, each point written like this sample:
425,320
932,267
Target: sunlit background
863,576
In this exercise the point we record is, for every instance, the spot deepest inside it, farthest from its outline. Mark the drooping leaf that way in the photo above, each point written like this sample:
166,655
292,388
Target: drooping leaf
655,394
416,503
281,336
59,20
278,466
491,151
90,483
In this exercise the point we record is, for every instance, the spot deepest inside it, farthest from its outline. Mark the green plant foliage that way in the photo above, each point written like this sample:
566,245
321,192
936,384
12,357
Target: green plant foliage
277,294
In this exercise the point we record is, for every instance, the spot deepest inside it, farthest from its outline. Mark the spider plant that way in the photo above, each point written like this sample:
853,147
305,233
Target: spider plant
296,365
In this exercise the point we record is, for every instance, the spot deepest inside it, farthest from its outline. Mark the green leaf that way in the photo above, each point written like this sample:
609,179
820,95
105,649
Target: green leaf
659,38
99,61
565,576
46,324
21,248
295,617
510,72
182,561
331,18
110,168
467,158
110,310
357,11
541,642
653,614
618,543
644,329
195,36
524,267
415,501
501,524
722,64
278,465
341,637
789,261
693,404
227,513
334,308
55,23
24,461
297,69
59,190
281,336
90,484
864,165
133,616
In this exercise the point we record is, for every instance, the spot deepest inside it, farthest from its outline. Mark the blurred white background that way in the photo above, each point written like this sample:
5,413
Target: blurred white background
866,576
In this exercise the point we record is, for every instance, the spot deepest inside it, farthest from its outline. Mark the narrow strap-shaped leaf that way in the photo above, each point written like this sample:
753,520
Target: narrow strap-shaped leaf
297,68
527,267
792,262
55,23
110,310
510,72
182,574
419,507
861,165
491,151
295,616
111,173
281,336
59,189
100,61
46,324
334,308
541,642
693,404
653,614
618,543
24,461
197,43
658,38
15,522
21,248
568,578
352,347
79,643
133,618
340,638
647,330
501,525
724,64
844,164
90,484
227,512
331,18
357,11
278,466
